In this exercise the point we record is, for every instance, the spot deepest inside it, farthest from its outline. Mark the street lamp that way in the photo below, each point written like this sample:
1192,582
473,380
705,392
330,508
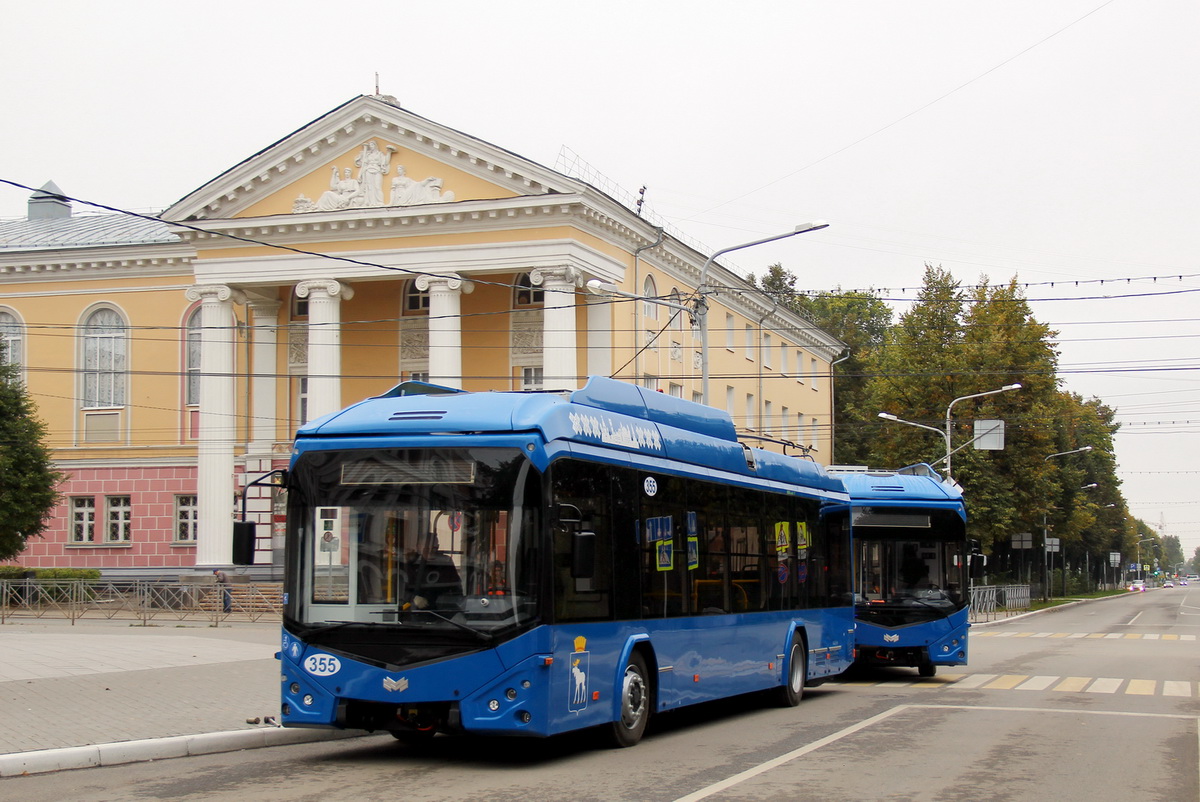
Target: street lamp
894,419
701,303
1045,526
1139,555
946,434
1003,389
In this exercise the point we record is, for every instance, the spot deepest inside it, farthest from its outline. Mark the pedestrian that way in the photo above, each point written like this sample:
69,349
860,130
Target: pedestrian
223,583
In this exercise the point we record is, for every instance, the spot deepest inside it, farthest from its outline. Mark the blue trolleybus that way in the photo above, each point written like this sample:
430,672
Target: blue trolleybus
534,563
911,557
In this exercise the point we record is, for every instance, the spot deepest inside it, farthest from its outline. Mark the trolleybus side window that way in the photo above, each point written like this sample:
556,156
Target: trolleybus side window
581,504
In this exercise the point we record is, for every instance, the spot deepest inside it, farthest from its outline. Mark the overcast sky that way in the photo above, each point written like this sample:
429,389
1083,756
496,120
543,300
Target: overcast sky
1053,142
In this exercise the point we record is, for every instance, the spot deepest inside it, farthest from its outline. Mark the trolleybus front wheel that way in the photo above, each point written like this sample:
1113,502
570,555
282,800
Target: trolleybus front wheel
635,703
927,669
797,670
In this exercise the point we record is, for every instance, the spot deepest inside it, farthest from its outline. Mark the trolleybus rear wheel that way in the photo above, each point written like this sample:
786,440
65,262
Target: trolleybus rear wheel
797,671
635,703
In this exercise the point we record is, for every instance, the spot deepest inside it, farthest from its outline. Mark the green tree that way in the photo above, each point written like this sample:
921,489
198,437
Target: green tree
28,480
860,320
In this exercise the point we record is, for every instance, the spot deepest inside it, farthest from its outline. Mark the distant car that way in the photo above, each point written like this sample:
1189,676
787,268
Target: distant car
1138,585
1183,582
1170,584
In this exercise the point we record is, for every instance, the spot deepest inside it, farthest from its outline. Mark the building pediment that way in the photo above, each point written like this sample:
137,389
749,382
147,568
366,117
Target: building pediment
367,154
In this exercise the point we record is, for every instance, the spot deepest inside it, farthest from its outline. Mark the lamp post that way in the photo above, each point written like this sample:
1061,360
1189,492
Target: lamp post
894,419
1045,527
1139,556
701,303
1003,389
946,433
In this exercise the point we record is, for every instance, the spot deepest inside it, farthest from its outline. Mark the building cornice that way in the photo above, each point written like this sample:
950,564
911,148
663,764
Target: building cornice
106,262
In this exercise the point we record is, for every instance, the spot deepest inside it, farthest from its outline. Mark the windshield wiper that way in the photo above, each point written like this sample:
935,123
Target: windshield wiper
332,626
482,636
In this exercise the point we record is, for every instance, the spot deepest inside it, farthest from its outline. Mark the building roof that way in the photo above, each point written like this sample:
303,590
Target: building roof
83,231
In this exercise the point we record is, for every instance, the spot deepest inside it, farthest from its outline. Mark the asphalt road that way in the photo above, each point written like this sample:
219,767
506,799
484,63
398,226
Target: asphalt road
1099,701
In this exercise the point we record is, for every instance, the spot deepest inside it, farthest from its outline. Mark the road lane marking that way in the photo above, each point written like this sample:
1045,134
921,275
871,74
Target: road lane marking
768,765
1105,685
1175,688
974,680
1142,687
1036,684
1073,684
1007,682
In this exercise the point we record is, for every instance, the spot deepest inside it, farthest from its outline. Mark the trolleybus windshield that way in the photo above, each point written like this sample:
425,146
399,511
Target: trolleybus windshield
413,540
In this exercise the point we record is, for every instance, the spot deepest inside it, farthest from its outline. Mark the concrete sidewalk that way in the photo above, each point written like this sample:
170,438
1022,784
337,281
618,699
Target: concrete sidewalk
106,692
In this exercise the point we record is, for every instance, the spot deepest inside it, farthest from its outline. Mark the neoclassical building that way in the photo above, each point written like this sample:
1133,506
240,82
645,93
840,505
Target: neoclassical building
172,357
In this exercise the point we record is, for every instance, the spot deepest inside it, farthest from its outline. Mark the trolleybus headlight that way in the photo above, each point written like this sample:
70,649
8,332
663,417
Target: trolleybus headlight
510,694
494,705
287,710
294,687
526,717
308,699
525,684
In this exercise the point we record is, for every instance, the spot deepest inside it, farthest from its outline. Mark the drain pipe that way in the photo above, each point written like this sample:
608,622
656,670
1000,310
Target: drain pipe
833,407
637,307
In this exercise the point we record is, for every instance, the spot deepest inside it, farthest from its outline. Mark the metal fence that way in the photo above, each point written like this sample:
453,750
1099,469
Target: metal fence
990,602
143,601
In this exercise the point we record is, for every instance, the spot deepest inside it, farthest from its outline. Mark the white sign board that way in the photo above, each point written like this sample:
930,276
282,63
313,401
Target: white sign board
989,435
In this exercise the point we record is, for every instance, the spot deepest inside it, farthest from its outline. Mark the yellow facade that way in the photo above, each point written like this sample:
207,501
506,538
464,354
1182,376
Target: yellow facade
508,255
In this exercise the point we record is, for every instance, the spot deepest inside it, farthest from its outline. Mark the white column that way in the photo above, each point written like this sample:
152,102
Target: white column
218,424
600,337
445,326
264,333
559,369
324,343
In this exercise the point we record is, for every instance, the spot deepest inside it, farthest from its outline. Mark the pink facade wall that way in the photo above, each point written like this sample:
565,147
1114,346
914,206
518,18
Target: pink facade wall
152,543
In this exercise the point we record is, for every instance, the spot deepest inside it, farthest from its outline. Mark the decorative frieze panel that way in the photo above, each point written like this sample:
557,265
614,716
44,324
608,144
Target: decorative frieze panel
365,185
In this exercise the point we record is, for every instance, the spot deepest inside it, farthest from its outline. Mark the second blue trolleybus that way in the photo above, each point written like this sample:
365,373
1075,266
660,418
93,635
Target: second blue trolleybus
534,563
911,567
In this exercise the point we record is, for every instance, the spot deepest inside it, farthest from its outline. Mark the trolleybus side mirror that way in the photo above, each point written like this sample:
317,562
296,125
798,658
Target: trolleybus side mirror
978,560
583,541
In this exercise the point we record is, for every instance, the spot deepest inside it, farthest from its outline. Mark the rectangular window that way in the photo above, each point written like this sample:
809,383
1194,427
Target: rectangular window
187,515
813,432
697,397
83,520
800,366
749,330
800,430
751,412
729,399
767,417
729,331
675,390
783,357
783,422
531,378
766,346
815,371
120,519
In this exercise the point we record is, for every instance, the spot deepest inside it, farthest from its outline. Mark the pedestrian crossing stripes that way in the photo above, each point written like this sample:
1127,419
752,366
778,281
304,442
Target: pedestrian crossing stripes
1025,682
1168,636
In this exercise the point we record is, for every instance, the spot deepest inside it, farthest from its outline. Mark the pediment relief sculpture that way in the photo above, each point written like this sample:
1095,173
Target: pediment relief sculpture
362,186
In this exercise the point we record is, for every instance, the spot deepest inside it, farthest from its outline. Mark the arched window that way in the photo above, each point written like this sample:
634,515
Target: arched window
649,290
415,301
525,294
10,339
104,359
192,357
678,315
